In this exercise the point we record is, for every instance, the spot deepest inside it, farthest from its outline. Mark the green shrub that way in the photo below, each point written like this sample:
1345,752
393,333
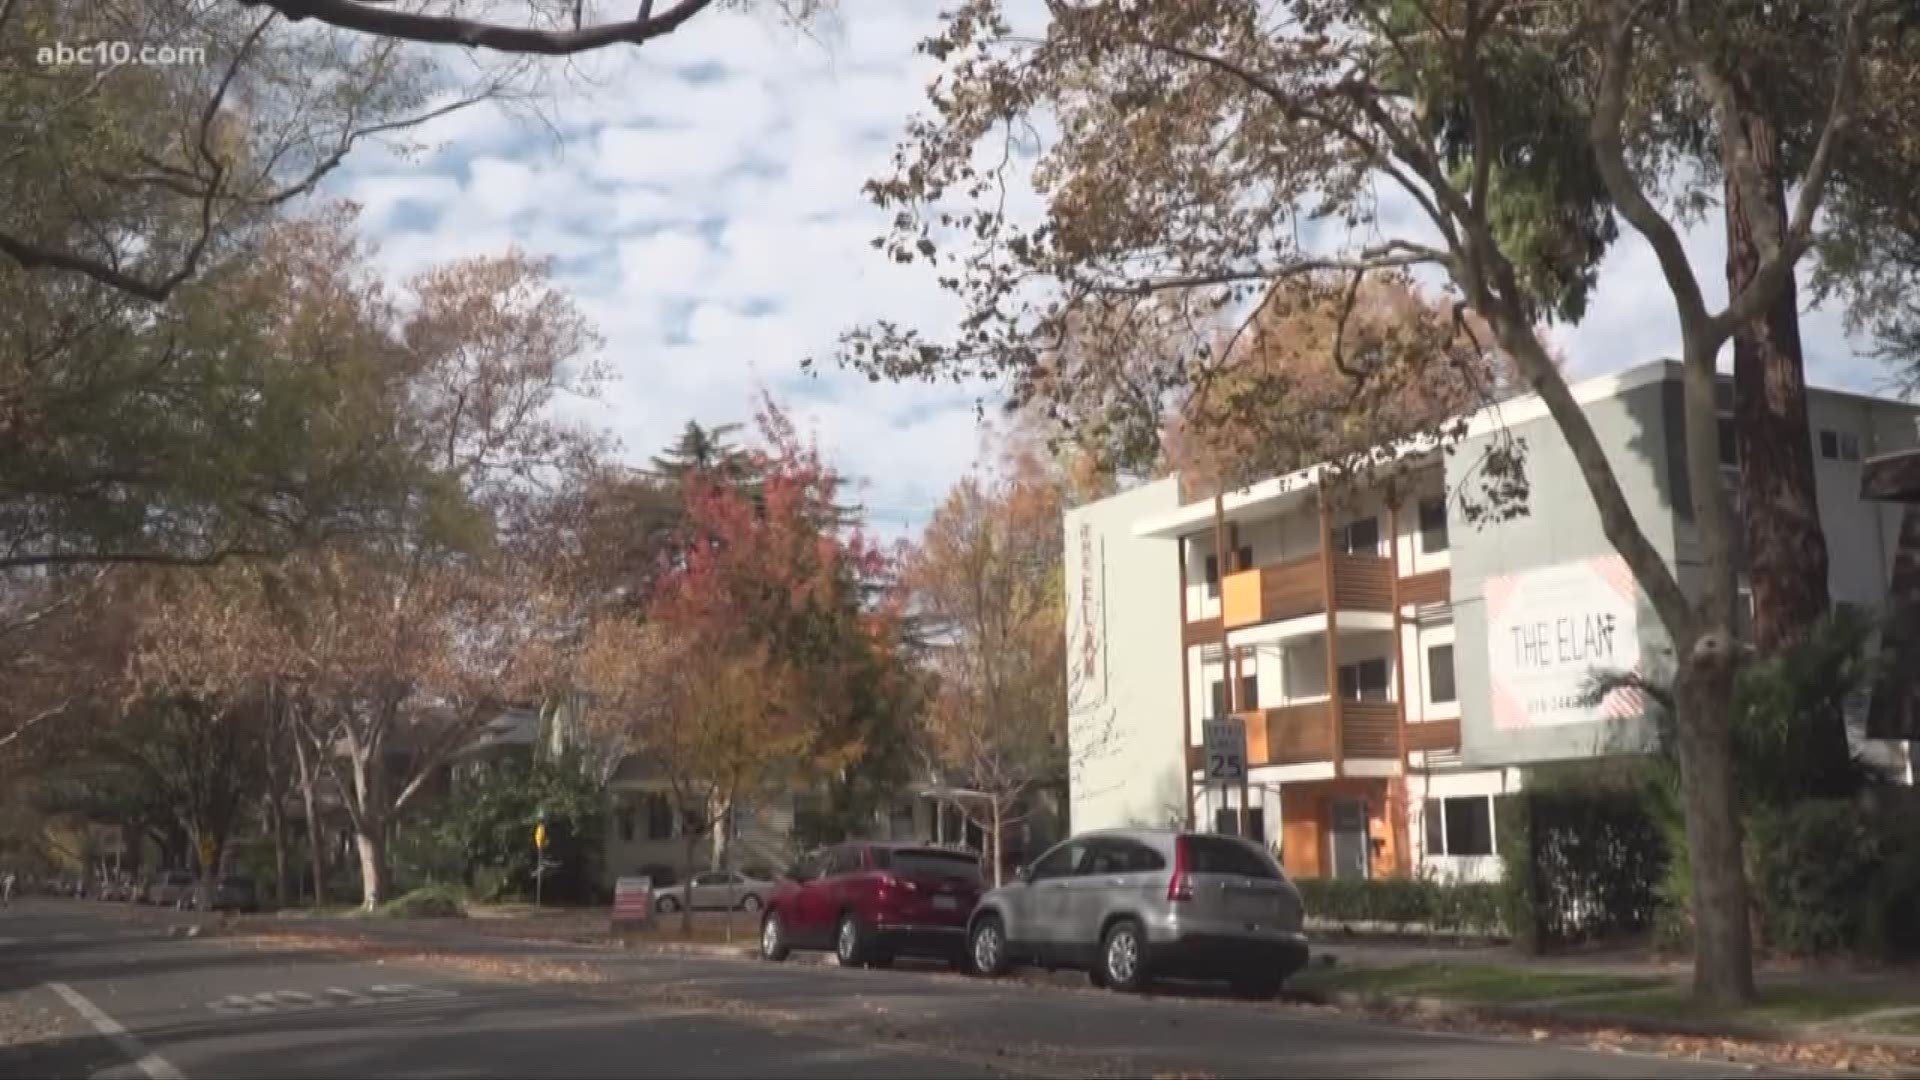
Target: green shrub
1835,876
427,902
1405,903
1583,856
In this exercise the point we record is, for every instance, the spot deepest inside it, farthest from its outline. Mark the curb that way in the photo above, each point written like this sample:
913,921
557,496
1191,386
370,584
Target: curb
1443,1009
721,952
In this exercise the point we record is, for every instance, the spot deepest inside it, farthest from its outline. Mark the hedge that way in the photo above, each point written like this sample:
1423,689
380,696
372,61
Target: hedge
1836,876
1582,859
1408,903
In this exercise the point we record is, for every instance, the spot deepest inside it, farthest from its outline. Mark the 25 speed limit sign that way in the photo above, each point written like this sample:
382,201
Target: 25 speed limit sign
1226,750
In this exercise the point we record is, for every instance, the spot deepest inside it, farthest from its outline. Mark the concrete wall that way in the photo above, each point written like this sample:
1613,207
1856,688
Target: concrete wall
1123,658
1561,525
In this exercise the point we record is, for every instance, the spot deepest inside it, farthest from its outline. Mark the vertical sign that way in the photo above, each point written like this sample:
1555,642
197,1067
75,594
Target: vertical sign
1091,658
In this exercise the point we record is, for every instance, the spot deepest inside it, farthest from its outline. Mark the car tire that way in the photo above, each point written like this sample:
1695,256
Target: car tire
1123,957
1097,977
773,938
1257,985
850,943
666,905
750,904
992,961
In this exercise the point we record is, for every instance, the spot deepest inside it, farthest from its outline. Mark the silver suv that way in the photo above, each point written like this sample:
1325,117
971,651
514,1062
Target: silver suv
1132,905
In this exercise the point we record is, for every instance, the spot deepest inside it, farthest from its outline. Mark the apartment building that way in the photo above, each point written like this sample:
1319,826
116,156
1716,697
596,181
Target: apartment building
1397,660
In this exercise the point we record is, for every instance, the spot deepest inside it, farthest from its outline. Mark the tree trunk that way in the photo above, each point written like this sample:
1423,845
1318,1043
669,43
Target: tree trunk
277,824
1723,948
994,842
316,848
371,840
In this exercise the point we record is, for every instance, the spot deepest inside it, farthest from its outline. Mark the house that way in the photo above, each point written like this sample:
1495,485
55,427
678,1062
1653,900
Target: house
1396,661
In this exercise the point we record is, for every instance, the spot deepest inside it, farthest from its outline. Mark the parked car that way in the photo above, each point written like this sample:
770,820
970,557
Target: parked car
170,887
870,902
715,891
234,893
1129,906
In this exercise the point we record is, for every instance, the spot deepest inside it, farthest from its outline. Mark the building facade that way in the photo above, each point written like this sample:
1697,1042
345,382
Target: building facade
1398,655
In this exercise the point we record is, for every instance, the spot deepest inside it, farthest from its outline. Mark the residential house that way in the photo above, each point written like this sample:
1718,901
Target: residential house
1396,661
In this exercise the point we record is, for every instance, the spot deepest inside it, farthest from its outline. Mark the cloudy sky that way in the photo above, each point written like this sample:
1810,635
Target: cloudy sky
702,199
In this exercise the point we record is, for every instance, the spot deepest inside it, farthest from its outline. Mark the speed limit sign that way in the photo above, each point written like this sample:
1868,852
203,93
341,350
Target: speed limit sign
1226,750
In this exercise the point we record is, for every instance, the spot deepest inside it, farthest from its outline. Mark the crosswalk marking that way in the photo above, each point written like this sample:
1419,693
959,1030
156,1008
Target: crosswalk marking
296,1000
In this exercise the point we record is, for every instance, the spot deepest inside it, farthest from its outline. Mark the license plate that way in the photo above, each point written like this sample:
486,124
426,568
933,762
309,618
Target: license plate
946,903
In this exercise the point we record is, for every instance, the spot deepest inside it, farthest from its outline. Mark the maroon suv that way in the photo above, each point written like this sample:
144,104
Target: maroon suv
870,902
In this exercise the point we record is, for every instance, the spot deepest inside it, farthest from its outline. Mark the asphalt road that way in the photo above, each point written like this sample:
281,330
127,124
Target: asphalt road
85,993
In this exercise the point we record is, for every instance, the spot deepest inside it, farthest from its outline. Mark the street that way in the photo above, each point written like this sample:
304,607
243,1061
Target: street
85,992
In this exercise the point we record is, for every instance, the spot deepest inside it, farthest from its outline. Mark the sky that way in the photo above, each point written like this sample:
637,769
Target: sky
701,197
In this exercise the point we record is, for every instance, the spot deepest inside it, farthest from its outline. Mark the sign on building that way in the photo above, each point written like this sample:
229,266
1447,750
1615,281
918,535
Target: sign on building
1226,750
1549,630
1089,661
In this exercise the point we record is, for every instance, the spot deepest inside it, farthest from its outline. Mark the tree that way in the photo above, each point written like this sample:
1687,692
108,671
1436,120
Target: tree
986,580
1209,149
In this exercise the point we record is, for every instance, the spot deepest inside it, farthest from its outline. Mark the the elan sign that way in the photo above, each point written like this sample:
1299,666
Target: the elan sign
1550,630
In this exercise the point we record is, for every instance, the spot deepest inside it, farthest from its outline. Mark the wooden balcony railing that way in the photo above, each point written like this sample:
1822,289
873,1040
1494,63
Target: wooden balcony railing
1370,729
1432,587
1200,632
1298,587
1292,734
1430,735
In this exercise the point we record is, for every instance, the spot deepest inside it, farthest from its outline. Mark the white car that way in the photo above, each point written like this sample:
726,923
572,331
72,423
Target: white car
715,891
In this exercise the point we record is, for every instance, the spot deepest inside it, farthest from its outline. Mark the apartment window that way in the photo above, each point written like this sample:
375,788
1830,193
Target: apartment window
1219,697
1213,577
1460,827
659,816
1839,445
1361,537
1249,689
1246,557
626,824
1433,525
1226,820
1440,689
1729,442
1364,681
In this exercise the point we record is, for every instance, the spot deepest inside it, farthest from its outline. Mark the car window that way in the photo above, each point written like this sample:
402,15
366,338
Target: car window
806,869
928,863
843,860
1225,855
1115,856
710,879
1063,861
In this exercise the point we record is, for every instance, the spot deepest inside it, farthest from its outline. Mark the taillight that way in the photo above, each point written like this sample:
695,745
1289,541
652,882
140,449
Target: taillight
1179,887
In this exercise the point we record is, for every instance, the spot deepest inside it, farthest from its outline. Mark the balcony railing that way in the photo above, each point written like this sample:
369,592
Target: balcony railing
1370,729
1298,587
1431,735
1432,587
1305,733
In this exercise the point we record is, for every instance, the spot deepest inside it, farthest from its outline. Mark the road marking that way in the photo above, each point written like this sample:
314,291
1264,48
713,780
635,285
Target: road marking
155,1066
292,1000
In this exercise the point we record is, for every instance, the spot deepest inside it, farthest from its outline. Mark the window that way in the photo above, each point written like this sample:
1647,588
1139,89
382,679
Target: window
1219,699
1213,577
1226,821
1063,861
1460,827
1249,688
1440,688
1364,681
1830,445
1849,446
1361,537
626,824
1225,855
1433,525
1122,857
1246,557
1839,445
843,860
700,880
1729,442
659,816
928,863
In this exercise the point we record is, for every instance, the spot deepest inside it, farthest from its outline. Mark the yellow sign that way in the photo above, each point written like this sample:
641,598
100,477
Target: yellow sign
540,836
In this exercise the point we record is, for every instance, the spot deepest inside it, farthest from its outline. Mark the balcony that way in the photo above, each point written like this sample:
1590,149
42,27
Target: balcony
1432,587
1434,735
1298,587
1305,733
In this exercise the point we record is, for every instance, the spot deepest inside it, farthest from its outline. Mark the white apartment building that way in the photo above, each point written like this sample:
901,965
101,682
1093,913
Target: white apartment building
1395,663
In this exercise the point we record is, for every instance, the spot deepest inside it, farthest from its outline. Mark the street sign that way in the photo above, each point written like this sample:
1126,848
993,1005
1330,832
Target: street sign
540,836
1225,741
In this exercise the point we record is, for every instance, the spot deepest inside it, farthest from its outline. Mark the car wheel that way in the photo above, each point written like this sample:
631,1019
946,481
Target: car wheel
1123,956
750,903
850,945
667,905
1257,985
987,947
773,938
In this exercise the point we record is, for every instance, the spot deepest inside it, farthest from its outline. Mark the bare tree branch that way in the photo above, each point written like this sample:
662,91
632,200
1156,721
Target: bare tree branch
450,30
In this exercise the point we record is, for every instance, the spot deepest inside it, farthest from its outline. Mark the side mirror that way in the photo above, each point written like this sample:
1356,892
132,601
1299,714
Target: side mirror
1024,874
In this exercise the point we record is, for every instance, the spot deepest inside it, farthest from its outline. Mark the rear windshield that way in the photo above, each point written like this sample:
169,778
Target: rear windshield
1218,855
928,863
